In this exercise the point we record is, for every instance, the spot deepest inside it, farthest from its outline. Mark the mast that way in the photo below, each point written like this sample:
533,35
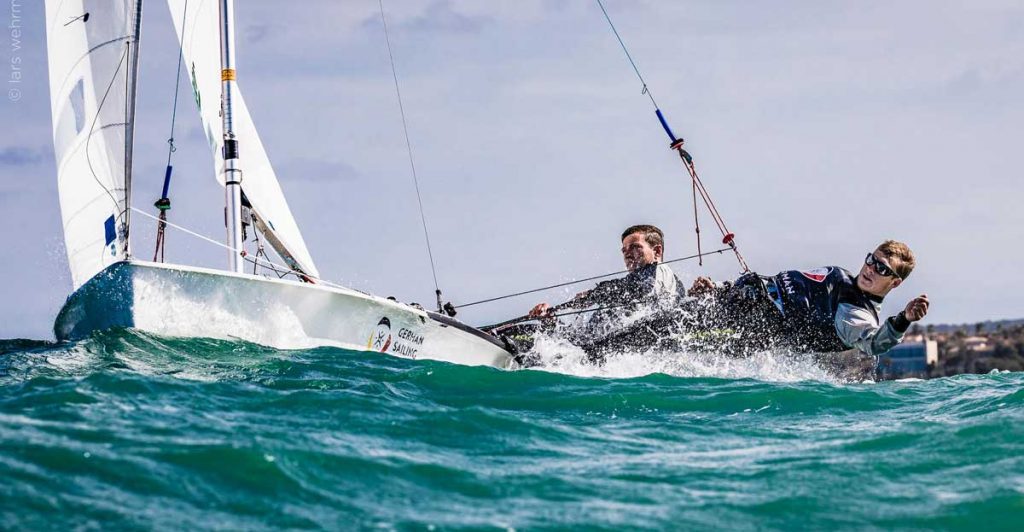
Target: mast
232,170
129,133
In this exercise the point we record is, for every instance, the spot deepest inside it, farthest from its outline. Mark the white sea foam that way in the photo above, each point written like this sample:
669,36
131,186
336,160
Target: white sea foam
559,356
555,353
167,310
72,360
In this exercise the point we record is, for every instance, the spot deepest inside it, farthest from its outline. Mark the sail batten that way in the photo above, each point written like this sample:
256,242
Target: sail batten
196,24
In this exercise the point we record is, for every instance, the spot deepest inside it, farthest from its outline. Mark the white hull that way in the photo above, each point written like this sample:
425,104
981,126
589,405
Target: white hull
175,300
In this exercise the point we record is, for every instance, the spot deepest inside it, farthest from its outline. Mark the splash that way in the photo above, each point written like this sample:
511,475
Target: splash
560,356
170,311
694,344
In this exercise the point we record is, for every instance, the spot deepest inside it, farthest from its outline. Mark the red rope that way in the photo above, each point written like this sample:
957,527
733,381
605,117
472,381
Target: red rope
728,237
158,253
696,225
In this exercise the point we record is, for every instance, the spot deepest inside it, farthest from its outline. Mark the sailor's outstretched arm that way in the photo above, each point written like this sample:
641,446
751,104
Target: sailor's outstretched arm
581,300
858,329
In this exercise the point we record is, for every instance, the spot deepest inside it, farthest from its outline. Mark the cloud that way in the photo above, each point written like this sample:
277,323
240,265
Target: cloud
316,170
23,156
439,17
254,33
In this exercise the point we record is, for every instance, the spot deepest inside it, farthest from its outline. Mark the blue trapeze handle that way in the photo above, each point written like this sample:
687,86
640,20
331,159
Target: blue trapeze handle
664,124
167,181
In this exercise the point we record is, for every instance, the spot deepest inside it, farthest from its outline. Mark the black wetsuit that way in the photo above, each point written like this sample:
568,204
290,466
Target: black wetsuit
651,287
652,283
820,310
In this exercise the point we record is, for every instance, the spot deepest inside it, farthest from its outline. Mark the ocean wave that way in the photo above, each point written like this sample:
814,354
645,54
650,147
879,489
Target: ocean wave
126,429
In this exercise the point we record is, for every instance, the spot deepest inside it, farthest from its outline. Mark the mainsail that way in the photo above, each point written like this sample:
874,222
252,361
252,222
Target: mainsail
196,23
91,48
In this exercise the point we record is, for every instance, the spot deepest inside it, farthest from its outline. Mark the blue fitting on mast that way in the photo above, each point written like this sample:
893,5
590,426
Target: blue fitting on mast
664,124
164,203
167,181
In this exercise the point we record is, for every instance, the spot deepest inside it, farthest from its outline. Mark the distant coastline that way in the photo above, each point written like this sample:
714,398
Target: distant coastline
974,348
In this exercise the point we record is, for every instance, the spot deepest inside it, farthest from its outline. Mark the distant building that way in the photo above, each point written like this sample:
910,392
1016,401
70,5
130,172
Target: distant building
977,343
909,359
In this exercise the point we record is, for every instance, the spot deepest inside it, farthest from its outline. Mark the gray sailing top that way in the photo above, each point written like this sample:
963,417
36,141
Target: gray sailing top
654,283
824,310
859,329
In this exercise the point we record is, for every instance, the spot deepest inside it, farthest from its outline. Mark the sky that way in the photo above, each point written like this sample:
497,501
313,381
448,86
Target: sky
820,129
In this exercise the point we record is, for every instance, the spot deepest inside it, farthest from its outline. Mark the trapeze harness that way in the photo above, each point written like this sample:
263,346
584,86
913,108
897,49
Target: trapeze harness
808,301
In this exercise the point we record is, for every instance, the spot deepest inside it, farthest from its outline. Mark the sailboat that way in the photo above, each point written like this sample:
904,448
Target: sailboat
94,69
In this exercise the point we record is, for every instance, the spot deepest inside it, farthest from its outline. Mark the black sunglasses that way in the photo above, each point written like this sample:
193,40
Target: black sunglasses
880,267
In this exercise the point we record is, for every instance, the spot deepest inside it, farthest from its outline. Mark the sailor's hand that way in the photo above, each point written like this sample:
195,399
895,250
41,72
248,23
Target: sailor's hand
701,286
917,308
541,310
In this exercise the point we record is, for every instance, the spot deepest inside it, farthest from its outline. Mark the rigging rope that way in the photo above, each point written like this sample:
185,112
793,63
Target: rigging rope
728,238
92,131
164,203
640,76
267,263
412,164
577,281
492,328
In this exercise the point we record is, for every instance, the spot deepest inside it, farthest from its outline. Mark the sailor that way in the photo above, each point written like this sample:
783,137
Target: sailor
648,280
826,309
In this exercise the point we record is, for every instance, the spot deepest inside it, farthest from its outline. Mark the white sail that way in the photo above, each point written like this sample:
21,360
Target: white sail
196,23
90,48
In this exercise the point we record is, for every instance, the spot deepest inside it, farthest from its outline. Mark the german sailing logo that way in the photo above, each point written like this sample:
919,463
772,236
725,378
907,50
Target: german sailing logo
380,338
817,275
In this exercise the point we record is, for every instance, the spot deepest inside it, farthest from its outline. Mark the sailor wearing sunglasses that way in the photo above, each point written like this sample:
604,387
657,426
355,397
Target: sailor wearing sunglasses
858,325
826,309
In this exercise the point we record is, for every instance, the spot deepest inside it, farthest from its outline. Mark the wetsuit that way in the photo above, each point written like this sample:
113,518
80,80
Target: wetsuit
820,310
654,283
634,312
653,290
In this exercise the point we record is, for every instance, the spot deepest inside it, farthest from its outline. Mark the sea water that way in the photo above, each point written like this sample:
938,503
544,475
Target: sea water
129,430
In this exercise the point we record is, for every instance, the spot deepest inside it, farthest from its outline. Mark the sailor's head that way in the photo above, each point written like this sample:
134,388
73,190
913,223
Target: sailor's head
642,245
885,268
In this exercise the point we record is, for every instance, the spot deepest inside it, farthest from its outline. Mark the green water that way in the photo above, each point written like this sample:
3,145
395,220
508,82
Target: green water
127,430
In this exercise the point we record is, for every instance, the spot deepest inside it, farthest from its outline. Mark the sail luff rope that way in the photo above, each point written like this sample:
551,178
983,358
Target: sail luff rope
728,237
412,163
164,203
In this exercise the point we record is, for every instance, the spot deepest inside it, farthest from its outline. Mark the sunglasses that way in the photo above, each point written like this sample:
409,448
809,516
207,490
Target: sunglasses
880,267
